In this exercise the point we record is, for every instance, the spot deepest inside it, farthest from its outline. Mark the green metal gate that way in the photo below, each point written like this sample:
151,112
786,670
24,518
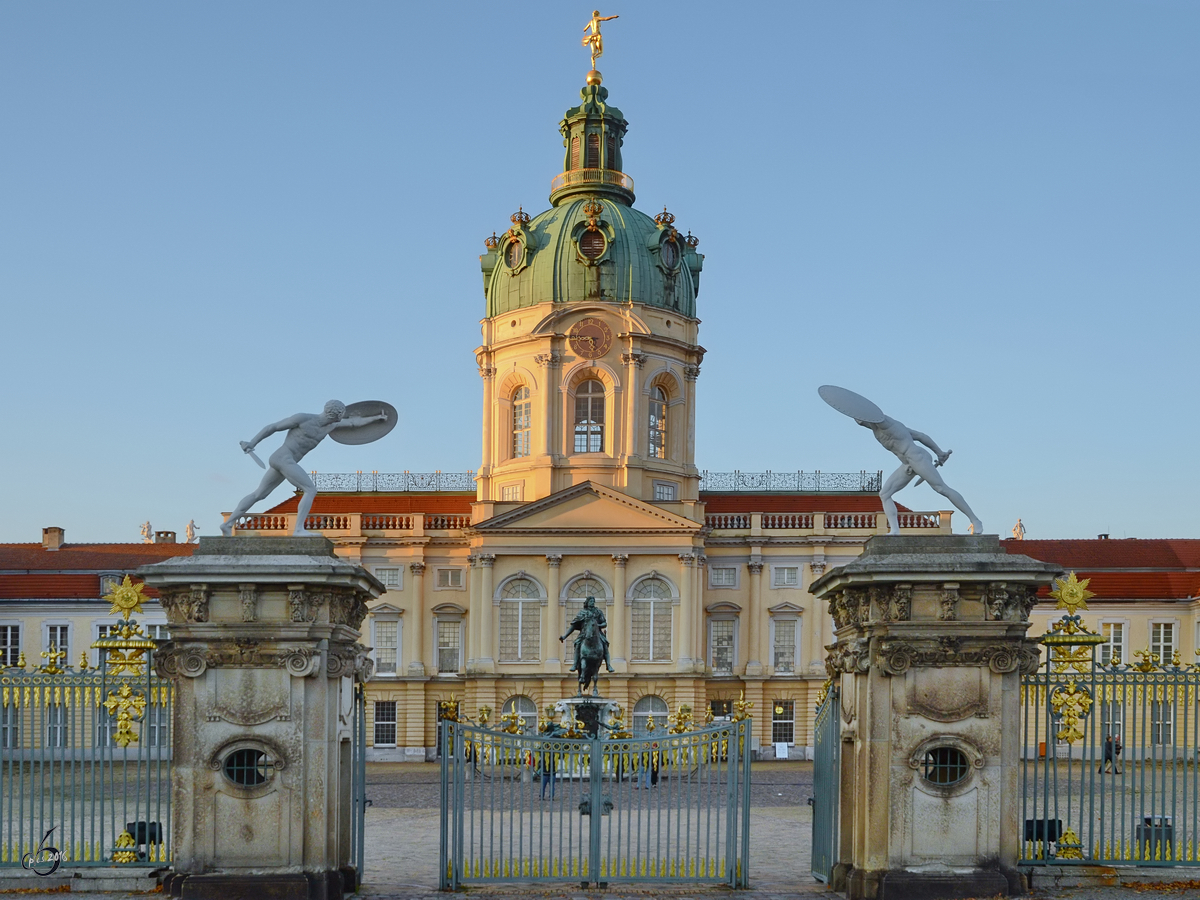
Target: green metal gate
525,808
358,780
827,767
1110,769
85,757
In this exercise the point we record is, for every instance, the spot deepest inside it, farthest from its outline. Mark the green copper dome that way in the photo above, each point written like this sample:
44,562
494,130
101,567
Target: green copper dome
592,245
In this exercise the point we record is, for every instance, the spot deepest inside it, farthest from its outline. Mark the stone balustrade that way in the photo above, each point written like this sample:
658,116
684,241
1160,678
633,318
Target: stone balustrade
820,522
354,524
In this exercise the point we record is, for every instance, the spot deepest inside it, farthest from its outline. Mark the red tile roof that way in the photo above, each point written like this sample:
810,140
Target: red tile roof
1127,569
31,572
440,503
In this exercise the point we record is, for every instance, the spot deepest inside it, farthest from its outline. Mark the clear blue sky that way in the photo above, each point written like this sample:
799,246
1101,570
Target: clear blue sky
984,216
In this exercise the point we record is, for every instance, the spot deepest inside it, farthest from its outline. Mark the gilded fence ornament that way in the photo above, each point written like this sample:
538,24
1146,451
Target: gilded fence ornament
741,708
53,658
1146,661
1079,659
1071,593
1073,705
126,706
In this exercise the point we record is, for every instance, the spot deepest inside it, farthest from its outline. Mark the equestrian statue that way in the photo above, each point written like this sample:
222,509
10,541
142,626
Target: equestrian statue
591,647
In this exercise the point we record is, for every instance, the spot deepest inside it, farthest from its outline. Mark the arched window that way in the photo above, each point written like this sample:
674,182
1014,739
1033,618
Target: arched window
521,418
520,621
575,152
589,418
523,707
658,424
580,590
651,621
649,709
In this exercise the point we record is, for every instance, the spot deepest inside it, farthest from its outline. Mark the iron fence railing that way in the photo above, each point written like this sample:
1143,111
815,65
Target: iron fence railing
85,766
827,772
1111,758
525,808
793,482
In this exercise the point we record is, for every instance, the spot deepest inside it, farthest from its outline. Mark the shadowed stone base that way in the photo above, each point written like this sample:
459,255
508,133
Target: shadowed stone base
901,885
298,886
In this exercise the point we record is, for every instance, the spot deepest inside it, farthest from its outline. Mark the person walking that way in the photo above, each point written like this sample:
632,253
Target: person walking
1112,754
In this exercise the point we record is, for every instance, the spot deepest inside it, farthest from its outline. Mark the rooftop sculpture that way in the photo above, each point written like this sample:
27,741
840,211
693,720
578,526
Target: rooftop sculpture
345,424
902,441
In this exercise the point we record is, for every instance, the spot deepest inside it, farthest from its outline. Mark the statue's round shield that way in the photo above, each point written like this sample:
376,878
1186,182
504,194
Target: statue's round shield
372,431
848,403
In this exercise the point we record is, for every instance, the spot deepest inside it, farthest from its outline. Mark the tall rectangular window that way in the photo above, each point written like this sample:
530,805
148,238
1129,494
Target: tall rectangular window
589,418
385,647
575,152
1114,642
522,422
57,725
783,722
1162,641
784,651
720,637
593,151
449,578
722,576
10,727
385,723
57,638
1162,721
1112,719
787,576
651,630
520,630
158,726
391,576
10,644
449,636
657,443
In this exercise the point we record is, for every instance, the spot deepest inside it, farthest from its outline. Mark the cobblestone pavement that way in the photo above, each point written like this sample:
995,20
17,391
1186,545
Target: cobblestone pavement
402,832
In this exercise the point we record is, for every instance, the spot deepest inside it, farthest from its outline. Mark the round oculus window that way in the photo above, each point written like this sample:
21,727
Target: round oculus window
513,254
669,254
247,767
945,766
592,244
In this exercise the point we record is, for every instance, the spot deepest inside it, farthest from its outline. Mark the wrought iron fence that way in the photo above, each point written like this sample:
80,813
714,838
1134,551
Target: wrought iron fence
525,808
793,482
332,482
1111,755
85,756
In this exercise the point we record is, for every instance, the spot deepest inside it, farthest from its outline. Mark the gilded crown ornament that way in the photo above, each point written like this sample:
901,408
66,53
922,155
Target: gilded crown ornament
491,242
520,218
691,240
592,209
665,218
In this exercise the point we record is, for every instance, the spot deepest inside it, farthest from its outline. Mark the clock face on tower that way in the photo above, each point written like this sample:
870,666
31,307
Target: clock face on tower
590,338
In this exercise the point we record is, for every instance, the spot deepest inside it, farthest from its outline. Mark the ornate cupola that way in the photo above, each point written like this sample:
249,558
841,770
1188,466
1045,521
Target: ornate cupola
590,340
592,134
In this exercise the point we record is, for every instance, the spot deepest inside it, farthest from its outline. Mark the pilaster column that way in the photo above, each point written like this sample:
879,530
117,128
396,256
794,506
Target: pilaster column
690,374
756,624
552,624
488,374
618,626
485,661
684,659
474,613
416,665
633,363
550,364
700,622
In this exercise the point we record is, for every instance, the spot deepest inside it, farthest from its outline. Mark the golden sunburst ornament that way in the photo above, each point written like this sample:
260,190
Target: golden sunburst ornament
1071,593
126,598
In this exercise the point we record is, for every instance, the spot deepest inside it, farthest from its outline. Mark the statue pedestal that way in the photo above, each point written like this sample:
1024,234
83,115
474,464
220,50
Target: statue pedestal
929,653
591,711
264,655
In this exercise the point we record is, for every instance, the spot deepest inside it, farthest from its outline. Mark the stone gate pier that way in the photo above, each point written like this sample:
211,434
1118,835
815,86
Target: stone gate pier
264,655
929,651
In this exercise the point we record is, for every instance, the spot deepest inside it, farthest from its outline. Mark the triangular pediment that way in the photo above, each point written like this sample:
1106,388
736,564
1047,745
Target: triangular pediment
785,609
584,508
386,609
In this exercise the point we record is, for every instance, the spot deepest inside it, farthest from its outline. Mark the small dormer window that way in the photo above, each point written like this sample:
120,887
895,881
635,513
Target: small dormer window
669,254
513,254
591,244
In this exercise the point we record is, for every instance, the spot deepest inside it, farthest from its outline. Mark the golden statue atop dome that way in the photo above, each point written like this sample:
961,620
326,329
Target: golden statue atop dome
595,41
